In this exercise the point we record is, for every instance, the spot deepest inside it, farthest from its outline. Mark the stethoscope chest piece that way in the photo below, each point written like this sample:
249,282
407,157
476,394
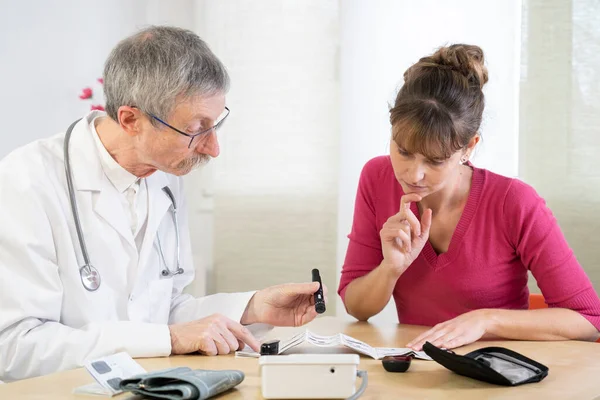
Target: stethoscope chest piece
165,272
90,278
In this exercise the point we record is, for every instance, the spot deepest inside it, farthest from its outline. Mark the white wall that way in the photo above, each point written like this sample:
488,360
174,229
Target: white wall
380,39
51,50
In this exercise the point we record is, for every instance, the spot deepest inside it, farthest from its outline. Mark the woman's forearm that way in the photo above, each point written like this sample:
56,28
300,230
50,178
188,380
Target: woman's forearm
543,324
369,294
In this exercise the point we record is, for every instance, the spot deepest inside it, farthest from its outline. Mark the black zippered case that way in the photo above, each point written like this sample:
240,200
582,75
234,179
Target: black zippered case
496,365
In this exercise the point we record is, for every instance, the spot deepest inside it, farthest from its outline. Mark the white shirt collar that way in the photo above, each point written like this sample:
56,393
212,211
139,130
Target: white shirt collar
117,175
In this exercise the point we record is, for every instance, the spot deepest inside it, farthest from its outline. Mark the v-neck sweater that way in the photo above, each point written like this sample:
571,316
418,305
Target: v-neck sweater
505,231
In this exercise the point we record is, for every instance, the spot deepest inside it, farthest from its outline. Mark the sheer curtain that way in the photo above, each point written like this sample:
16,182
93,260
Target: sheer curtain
560,118
275,182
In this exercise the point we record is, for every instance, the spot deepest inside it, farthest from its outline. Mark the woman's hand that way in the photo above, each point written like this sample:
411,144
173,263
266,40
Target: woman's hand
403,236
462,330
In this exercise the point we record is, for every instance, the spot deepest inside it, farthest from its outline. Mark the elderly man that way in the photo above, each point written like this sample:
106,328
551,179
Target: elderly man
94,239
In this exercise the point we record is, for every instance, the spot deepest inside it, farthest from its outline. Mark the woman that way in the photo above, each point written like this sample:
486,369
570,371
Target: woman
453,243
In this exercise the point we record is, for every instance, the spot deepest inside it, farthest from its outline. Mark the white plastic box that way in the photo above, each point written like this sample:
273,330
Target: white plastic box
309,376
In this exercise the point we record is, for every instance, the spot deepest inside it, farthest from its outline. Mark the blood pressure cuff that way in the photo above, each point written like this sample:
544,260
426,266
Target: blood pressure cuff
182,383
496,365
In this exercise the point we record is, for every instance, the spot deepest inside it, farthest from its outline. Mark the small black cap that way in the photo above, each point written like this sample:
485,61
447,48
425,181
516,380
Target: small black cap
270,348
320,307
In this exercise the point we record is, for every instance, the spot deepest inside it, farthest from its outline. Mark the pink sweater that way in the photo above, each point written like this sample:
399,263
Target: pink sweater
505,230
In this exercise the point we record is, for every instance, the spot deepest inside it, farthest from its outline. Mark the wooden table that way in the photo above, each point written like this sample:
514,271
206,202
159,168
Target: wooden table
574,370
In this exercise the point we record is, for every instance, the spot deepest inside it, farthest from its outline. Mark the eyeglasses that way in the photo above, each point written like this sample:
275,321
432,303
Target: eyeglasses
219,123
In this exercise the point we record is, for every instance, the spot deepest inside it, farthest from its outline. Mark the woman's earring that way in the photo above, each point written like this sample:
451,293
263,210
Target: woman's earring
464,159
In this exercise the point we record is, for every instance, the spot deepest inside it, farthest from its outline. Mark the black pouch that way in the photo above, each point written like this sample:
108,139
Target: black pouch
495,365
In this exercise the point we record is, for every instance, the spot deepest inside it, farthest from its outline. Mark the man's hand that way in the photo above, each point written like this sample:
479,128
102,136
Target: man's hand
212,335
291,304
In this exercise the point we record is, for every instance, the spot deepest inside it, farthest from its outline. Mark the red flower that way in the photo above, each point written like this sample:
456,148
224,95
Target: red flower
86,93
97,107
101,81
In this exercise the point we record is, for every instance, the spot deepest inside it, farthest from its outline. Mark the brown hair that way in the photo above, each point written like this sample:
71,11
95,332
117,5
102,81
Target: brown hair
438,109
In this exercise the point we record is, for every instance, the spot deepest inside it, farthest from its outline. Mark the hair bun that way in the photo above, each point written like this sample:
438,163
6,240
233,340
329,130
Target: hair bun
463,58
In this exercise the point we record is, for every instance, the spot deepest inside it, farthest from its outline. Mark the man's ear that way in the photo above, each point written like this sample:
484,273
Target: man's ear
130,120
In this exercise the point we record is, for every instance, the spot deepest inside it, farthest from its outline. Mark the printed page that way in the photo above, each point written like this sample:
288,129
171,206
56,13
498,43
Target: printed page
339,339
381,352
323,341
358,345
292,342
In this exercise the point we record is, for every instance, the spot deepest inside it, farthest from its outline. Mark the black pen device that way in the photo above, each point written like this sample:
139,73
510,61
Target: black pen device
319,299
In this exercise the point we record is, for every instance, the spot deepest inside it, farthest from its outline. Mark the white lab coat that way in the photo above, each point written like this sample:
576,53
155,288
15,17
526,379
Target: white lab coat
48,320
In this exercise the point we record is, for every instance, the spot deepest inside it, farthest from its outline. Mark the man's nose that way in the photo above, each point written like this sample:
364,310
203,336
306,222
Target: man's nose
210,145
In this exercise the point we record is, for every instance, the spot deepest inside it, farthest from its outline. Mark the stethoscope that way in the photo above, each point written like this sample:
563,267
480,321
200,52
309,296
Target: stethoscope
90,277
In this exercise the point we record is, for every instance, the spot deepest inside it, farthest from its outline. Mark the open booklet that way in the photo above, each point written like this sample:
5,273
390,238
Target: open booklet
338,340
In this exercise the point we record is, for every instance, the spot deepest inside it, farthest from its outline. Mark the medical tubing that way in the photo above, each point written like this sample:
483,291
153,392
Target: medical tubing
86,258
169,193
363,385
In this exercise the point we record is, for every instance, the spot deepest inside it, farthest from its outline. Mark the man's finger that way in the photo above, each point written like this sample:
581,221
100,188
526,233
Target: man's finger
208,346
230,338
243,334
308,315
303,288
221,344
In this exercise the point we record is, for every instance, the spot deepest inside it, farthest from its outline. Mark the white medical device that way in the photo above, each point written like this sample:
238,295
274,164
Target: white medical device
311,376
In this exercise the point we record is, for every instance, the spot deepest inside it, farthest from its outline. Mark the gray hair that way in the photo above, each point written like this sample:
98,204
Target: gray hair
156,67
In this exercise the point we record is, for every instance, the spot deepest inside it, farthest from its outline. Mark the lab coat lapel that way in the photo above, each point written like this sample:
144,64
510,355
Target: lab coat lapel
108,206
89,176
158,206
